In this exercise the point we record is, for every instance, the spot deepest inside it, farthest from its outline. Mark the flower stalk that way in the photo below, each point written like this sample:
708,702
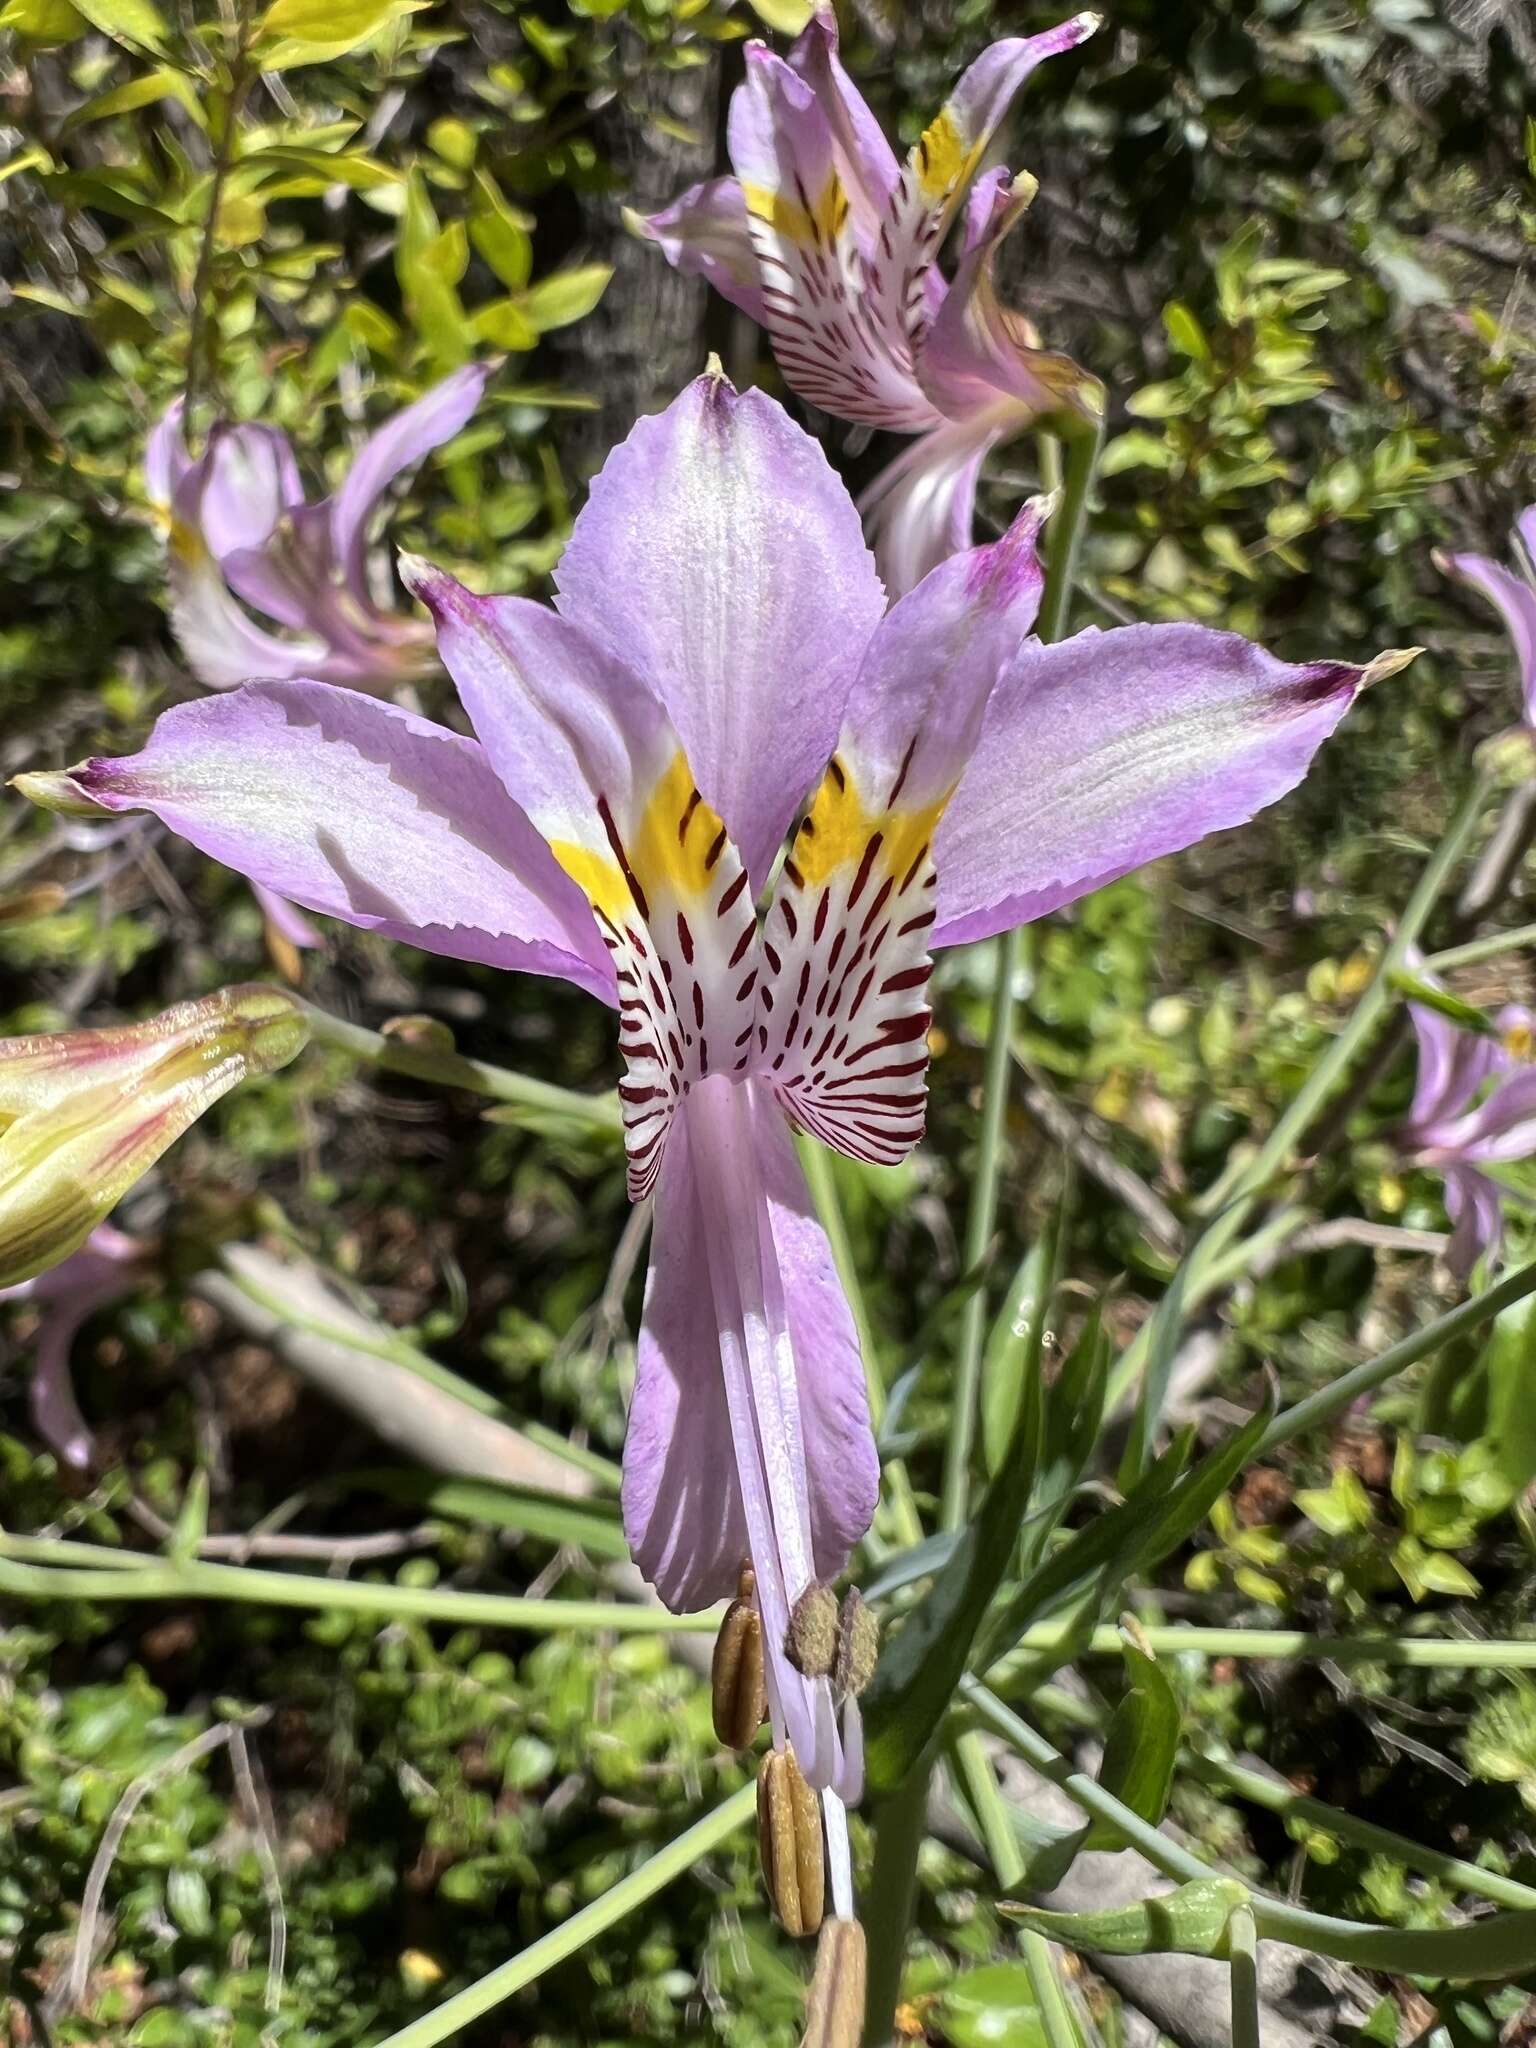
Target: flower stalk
901,1819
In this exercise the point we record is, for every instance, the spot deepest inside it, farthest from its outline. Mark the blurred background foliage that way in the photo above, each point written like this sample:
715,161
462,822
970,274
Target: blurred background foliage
1297,241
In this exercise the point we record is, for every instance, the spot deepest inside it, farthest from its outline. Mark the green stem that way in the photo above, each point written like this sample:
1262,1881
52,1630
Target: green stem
573,1935
1482,949
195,1579
1258,1790
48,1567
980,1223
1040,1961
1243,1953
1364,1379
973,1767
899,1822
453,1070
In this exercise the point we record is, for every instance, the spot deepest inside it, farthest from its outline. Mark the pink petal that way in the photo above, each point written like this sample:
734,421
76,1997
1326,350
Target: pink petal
682,1502
866,162
397,446
722,558
1112,749
844,1030
586,750
354,809
703,233
839,336
921,508
785,1466
977,356
1515,597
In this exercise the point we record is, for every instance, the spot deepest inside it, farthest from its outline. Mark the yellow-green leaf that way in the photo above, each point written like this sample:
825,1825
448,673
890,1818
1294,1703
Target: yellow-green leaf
295,32
136,23
566,295
43,23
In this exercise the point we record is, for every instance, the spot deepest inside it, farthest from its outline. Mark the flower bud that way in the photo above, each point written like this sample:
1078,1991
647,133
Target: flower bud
834,2011
811,1644
858,1645
738,1688
789,1838
83,1114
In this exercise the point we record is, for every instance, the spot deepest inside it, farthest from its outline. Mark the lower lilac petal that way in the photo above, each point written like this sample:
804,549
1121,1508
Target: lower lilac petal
843,1466
67,1296
401,442
286,919
921,508
1475,1206
683,1513
360,811
1515,598
1112,749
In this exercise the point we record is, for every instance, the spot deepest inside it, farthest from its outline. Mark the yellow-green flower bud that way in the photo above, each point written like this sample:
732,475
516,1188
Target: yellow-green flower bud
789,1837
83,1114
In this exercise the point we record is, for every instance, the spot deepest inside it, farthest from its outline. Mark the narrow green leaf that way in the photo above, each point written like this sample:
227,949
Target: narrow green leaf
915,1680
163,83
1141,1746
1010,1363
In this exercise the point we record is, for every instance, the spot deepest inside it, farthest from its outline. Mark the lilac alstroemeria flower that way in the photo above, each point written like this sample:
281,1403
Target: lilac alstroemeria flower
720,675
1474,1106
832,245
107,1266
1514,593
241,535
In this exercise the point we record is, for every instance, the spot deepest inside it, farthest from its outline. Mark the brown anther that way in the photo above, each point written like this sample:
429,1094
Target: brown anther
834,2010
811,1641
789,1838
858,1644
738,1690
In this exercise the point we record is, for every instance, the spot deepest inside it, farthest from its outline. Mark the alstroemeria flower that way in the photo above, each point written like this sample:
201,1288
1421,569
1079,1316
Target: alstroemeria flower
720,675
1474,1106
832,246
106,1267
1513,591
84,1114
243,539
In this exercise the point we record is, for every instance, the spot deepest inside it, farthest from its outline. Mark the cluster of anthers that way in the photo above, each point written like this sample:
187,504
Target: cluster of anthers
826,1639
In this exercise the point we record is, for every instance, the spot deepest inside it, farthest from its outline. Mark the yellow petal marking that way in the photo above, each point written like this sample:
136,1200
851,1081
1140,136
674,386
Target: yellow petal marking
823,223
668,852
943,161
838,829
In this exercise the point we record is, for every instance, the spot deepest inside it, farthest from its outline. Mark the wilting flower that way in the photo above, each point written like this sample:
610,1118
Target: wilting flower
108,1265
1474,1106
1513,591
832,246
719,675
83,1114
242,535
